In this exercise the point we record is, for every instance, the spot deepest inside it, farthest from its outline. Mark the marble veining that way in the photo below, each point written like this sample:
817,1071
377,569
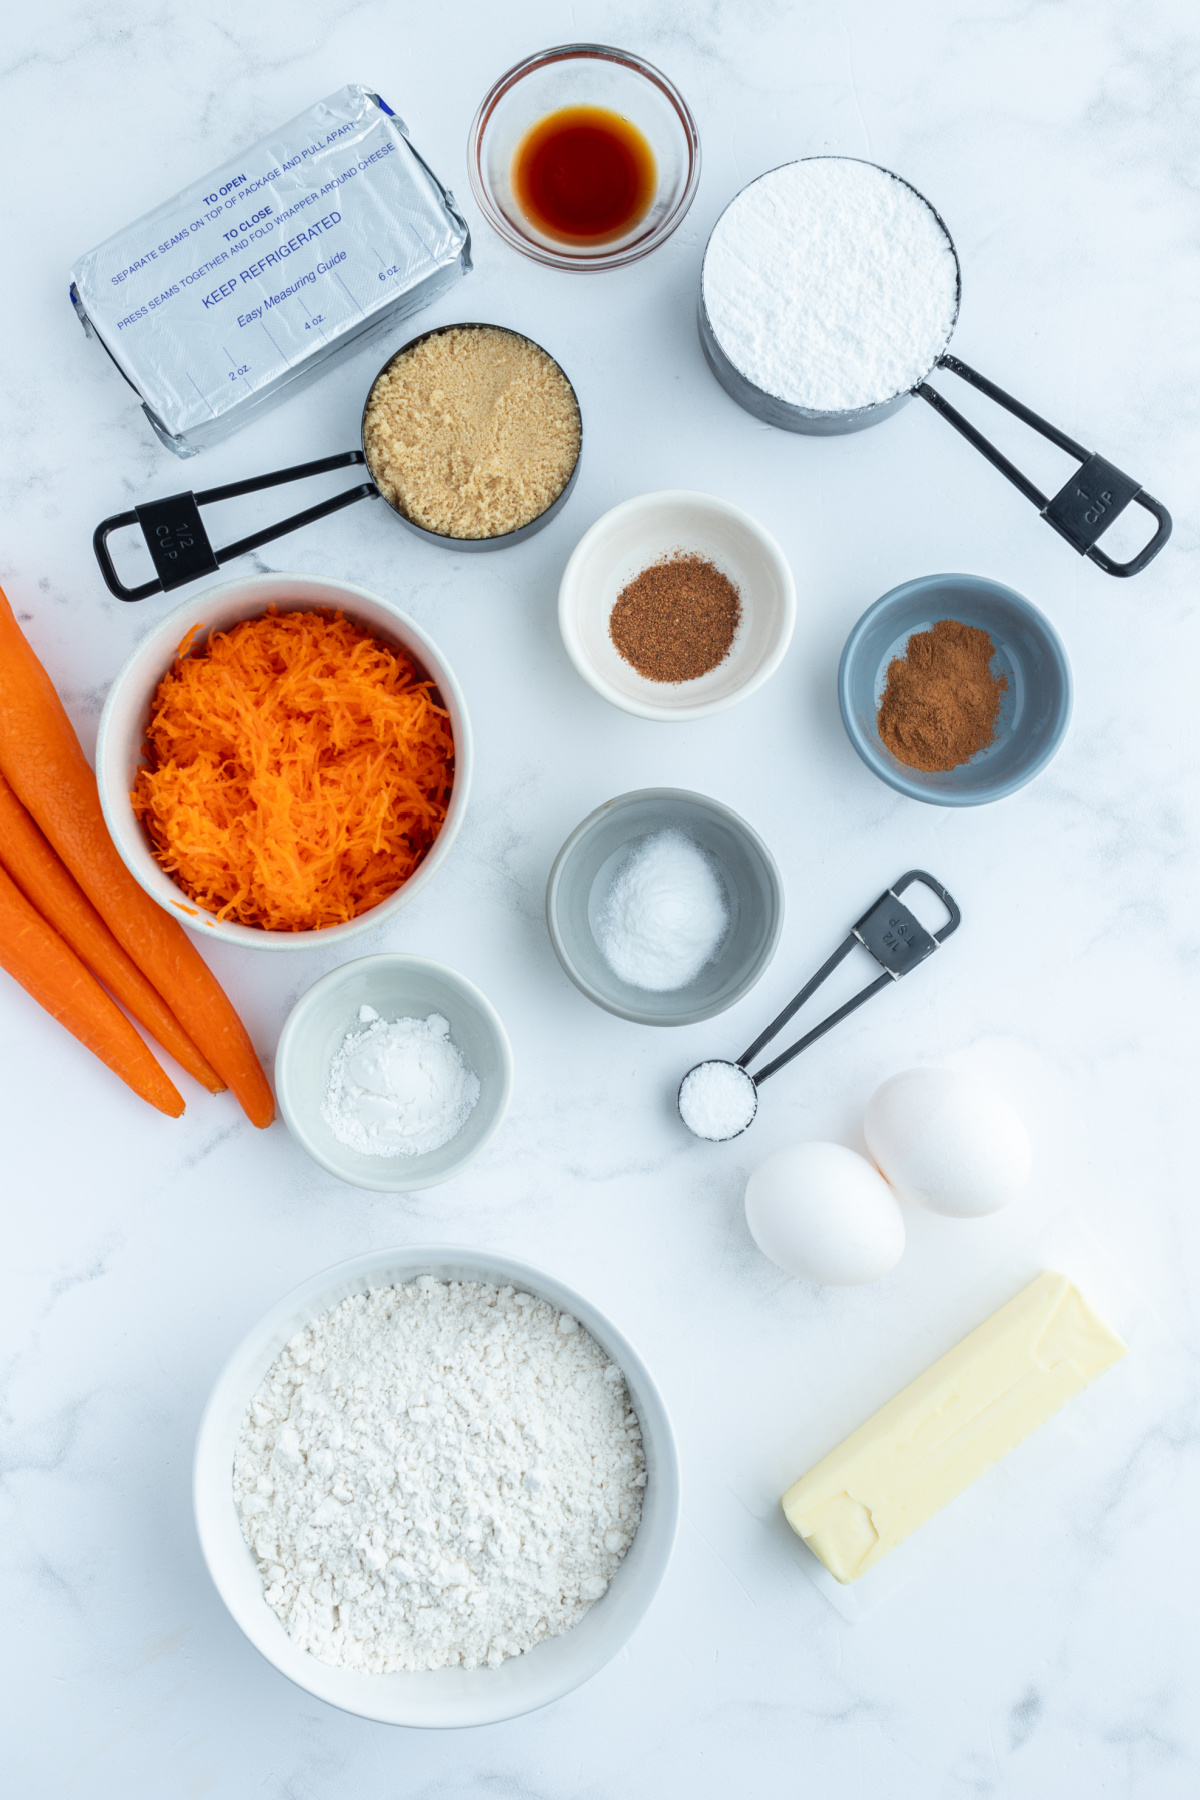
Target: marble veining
1052,1650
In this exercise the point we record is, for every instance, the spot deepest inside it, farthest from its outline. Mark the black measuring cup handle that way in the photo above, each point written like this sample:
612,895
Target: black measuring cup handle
890,933
1086,506
178,543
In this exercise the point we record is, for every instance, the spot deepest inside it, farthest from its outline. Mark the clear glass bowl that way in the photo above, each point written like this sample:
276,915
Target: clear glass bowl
584,75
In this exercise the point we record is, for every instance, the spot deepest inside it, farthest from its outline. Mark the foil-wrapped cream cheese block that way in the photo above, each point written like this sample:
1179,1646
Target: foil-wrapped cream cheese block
974,1405
255,276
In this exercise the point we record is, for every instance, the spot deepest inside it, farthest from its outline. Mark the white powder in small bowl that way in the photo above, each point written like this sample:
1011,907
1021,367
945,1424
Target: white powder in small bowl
830,284
398,1087
665,914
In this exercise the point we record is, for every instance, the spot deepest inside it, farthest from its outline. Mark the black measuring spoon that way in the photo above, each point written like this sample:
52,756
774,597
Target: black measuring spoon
897,940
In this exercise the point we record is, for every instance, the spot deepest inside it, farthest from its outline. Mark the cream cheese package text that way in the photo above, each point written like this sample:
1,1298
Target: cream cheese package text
258,273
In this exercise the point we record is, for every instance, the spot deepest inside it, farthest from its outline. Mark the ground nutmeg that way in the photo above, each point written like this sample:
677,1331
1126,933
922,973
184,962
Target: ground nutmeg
677,619
941,701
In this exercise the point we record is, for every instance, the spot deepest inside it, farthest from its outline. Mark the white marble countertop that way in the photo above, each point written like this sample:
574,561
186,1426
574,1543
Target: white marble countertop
1049,1647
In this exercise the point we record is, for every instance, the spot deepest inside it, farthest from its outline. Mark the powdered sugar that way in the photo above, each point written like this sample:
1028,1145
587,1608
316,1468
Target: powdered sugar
830,284
399,1087
435,1474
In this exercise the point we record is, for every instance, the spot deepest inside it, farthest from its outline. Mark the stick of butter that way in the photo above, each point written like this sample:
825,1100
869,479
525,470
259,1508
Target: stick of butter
976,1403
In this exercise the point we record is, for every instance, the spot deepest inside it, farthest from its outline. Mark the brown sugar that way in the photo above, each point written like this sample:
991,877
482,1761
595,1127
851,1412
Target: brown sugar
472,433
677,619
941,702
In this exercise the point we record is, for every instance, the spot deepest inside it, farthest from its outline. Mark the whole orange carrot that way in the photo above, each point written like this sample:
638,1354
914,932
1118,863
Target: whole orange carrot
46,967
47,770
53,891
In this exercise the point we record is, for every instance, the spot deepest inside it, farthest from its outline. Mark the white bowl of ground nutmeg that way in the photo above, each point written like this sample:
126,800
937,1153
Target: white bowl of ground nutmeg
676,605
436,1487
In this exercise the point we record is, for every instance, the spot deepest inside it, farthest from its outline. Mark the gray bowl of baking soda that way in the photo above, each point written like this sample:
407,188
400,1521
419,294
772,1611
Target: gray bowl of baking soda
664,907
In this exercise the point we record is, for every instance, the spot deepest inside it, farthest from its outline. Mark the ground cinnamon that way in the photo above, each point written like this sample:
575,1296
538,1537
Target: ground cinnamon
677,619
942,701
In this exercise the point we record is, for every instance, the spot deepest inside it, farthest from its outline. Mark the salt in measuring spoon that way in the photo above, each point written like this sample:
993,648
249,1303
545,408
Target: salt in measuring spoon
728,1093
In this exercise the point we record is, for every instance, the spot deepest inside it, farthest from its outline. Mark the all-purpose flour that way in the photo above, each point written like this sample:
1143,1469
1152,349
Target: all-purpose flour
440,1473
830,284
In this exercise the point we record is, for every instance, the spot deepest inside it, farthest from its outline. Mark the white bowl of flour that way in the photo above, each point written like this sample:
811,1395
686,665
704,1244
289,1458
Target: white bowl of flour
596,1408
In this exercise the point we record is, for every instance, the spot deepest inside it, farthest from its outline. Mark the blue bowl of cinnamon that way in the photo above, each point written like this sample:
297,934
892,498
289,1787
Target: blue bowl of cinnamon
955,690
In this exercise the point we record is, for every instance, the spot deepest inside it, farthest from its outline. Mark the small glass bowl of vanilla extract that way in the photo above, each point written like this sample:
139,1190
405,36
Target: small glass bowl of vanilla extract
584,157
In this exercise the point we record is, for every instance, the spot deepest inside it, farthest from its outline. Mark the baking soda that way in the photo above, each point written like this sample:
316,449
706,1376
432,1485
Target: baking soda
665,914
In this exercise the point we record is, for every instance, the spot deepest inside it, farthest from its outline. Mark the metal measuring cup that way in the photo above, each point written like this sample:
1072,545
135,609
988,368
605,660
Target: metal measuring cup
179,545
1081,511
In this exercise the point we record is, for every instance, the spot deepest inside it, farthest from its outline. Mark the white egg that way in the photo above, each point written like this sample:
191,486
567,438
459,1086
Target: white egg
824,1214
948,1142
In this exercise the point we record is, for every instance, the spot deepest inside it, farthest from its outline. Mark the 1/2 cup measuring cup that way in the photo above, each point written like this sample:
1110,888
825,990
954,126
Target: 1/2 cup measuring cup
179,545
1080,512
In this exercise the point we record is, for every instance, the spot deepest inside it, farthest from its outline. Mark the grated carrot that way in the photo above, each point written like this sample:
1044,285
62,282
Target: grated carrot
298,771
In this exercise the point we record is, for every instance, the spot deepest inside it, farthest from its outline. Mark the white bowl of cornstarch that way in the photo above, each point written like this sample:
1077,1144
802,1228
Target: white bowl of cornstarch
436,1487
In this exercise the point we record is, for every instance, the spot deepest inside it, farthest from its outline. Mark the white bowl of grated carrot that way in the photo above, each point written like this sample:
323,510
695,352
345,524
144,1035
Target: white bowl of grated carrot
365,822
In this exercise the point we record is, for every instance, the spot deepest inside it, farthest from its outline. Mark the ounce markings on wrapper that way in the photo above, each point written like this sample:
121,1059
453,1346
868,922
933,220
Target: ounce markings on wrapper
830,284
438,1474
398,1087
